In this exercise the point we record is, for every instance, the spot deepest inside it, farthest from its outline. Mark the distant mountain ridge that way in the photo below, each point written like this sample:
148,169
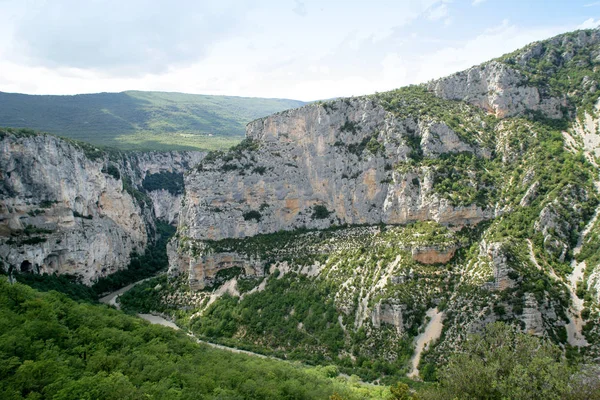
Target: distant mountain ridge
140,120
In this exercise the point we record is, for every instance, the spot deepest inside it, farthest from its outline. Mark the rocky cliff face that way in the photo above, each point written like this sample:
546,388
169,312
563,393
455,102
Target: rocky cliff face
498,89
165,201
467,195
380,159
504,87
314,167
69,208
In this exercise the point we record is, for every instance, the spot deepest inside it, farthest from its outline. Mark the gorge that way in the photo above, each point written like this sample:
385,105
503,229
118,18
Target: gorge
337,232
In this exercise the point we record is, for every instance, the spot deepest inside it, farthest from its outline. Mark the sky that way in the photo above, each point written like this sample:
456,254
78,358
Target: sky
296,49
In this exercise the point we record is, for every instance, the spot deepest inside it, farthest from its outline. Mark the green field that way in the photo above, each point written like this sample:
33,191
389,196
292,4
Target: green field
137,120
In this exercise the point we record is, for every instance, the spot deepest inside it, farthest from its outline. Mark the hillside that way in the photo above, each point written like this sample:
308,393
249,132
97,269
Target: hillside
54,348
341,229
140,120
387,235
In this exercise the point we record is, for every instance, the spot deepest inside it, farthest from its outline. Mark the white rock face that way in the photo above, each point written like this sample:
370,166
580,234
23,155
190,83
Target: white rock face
501,269
532,316
390,314
498,88
59,212
316,157
166,204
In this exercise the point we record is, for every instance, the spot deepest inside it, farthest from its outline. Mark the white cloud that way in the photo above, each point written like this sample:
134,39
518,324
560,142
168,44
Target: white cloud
596,3
300,8
490,44
125,38
438,12
477,2
589,24
331,51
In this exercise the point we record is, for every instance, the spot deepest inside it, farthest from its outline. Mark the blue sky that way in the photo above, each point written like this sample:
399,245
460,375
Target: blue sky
301,49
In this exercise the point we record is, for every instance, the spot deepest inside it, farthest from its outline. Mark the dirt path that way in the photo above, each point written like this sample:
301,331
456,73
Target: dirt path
111,299
432,332
158,320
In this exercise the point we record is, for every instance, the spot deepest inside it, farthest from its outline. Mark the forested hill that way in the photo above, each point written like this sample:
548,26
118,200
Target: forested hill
140,120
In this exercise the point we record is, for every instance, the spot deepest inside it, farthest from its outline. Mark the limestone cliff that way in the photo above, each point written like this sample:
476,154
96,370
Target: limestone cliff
499,89
314,167
67,207
416,154
166,197
505,86
340,227
468,196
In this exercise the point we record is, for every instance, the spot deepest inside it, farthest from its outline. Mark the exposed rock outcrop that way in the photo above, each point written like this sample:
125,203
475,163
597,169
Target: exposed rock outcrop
433,254
70,208
202,266
501,269
499,89
312,167
166,203
532,316
390,314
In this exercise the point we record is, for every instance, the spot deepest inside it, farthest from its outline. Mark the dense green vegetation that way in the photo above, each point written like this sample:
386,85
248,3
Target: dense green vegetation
140,120
502,364
170,181
67,284
54,348
142,266
299,318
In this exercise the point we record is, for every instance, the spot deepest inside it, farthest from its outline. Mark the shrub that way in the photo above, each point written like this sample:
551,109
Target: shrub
252,214
112,170
374,146
170,181
320,212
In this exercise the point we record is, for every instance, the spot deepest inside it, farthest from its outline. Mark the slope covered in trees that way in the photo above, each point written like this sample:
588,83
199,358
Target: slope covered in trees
140,120
52,347
472,197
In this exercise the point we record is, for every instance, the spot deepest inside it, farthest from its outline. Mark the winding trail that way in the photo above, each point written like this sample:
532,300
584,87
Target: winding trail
111,299
432,332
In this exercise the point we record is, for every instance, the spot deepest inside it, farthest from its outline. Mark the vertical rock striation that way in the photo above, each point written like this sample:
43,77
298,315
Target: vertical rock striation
71,208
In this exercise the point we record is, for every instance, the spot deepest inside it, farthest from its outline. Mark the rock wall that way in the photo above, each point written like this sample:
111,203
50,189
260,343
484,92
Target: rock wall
497,88
315,168
66,208
433,254
166,205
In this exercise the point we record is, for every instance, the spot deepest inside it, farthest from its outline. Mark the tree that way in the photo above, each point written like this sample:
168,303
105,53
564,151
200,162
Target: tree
400,391
502,363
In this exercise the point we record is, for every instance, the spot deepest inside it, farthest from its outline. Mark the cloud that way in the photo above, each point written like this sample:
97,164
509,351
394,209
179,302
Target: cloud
589,24
267,50
130,38
438,12
300,8
477,2
594,4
